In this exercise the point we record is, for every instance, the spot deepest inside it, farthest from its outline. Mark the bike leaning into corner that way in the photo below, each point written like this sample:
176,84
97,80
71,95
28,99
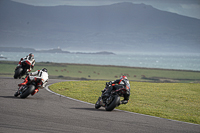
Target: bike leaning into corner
24,66
111,94
32,83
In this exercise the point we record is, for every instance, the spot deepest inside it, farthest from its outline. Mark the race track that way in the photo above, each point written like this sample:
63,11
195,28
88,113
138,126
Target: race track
46,112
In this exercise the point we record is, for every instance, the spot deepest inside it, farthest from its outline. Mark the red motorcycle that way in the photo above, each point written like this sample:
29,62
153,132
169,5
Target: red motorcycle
29,87
111,101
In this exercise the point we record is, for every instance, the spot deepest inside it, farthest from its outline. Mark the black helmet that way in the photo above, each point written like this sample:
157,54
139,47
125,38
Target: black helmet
44,69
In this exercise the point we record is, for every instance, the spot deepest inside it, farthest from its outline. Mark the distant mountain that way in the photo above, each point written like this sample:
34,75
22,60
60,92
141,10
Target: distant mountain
55,50
123,27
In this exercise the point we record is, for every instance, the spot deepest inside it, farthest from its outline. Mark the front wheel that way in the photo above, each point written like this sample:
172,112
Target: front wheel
97,105
27,92
16,94
115,102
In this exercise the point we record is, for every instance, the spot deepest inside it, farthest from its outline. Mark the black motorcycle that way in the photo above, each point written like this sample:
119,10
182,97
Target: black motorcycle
111,101
22,69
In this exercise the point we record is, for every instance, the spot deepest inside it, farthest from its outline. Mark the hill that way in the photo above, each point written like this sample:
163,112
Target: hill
54,50
122,27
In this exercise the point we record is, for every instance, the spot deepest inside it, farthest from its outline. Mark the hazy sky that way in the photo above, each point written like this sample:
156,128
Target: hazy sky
183,7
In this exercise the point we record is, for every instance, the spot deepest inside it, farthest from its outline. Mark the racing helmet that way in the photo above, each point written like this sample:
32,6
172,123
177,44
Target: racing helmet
31,56
44,69
123,77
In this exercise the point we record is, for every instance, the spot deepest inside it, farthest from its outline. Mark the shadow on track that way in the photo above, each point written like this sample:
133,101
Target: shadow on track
13,97
90,109
10,97
93,109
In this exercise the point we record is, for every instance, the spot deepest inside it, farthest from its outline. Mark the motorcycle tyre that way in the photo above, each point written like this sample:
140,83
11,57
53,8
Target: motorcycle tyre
16,94
114,103
97,105
18,73
30,89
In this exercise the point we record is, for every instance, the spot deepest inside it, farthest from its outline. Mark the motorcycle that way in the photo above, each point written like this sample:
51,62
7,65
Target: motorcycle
30,88
111,101
22,69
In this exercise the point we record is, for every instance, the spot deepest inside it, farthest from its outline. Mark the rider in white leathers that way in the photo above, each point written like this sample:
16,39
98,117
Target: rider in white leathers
39,76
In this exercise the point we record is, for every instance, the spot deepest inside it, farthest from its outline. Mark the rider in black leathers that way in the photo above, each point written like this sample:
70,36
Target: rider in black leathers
119,83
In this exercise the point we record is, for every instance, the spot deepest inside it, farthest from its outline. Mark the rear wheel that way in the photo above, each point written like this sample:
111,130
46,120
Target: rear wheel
18,72
115,102
27,92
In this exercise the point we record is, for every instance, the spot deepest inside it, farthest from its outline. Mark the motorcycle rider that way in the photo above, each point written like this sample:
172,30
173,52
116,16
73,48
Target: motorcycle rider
30,58
123,82
39,76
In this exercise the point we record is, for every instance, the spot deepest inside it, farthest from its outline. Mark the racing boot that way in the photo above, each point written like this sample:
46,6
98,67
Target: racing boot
124,102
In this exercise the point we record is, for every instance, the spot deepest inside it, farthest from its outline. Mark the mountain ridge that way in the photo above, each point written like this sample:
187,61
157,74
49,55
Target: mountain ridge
135,27
54,50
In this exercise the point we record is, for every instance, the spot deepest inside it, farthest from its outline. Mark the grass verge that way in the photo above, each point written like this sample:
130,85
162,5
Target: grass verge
177,101
105,72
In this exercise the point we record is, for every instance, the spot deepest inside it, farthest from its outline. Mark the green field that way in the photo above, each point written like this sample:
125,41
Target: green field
97,72
177,101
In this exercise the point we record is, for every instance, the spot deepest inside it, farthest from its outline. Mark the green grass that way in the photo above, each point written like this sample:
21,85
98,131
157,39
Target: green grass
177,101
97,72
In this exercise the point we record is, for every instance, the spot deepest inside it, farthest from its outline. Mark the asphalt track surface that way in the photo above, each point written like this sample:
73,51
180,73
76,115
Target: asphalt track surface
46,112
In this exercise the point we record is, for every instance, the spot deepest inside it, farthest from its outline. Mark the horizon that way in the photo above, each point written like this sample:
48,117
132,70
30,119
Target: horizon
114,52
